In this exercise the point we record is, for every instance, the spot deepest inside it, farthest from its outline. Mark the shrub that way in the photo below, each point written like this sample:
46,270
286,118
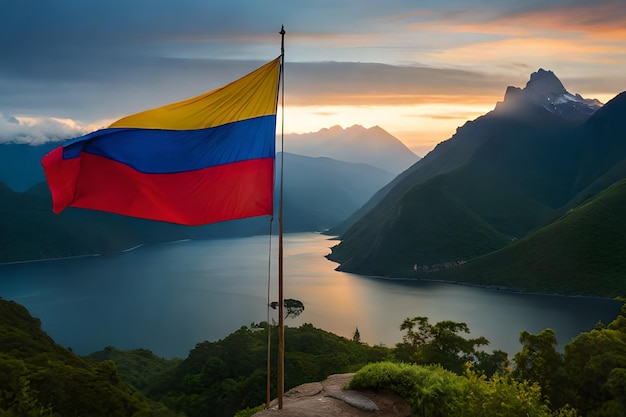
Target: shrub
433,391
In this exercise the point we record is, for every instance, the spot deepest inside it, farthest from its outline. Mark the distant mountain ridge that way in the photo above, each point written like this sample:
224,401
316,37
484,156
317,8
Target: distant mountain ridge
20,166
318,193
373,146
505,175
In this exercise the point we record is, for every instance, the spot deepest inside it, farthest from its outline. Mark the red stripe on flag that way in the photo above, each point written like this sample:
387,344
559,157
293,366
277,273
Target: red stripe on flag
225,192
61,176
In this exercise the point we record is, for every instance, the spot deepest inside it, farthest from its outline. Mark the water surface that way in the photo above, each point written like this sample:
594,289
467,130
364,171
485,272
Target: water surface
169,297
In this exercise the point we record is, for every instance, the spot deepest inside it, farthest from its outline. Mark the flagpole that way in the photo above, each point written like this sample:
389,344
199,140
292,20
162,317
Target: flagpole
281,330
268,384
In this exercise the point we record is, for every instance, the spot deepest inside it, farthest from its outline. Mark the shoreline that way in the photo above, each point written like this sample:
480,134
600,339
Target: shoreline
329,238
64,258
51,259
130,249
184,273
486,287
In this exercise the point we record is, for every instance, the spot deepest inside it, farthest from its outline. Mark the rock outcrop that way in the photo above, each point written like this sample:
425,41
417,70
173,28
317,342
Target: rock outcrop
329,399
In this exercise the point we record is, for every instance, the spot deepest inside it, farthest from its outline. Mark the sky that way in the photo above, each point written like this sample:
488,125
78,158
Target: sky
418,69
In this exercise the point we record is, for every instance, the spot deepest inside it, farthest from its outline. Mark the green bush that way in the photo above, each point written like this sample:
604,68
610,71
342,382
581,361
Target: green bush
433,391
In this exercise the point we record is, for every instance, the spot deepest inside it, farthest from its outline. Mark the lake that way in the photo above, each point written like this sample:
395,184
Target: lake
168,297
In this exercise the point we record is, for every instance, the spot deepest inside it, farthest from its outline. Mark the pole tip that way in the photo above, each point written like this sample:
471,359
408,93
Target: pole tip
282,30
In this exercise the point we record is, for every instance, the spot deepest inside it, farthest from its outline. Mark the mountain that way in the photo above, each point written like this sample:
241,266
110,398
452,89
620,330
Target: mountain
541,102
318,193
602,148
501,177
20,168
31,231
580,253
373,146
321,192
546,90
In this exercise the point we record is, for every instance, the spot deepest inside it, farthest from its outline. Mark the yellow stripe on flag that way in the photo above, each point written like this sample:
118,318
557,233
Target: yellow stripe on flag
251,96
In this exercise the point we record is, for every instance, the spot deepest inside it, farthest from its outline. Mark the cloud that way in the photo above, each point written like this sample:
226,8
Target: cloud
520,19
369,84
86,61
112,90
37,131
599,19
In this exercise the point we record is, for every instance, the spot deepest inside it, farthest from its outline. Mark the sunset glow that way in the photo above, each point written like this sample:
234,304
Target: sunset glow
418,126
418,70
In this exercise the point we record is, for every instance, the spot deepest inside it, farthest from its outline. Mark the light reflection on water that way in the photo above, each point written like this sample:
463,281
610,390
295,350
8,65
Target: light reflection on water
168,297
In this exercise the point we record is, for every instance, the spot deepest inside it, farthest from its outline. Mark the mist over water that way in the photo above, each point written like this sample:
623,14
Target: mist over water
169,297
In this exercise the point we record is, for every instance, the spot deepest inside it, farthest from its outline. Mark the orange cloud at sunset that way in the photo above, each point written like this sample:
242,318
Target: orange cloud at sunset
599,20
536,49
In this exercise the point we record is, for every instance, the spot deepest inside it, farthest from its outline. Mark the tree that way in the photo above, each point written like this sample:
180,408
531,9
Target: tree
595,366
539,361
356,337
293,308
440,343
496,362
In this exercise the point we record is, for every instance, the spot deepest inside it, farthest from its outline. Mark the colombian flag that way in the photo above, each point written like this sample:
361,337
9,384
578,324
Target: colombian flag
202,160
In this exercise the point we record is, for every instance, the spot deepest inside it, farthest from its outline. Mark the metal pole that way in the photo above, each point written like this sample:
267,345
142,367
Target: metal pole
281,330
268,385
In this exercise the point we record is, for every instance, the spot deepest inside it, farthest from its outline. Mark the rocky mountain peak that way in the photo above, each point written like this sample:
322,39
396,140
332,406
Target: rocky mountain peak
546,90
545,83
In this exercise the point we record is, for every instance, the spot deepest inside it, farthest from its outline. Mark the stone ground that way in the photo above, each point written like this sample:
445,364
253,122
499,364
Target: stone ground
329,399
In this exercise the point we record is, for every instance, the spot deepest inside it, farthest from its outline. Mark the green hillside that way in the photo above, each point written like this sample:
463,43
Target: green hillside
219,378
506,189
445,230
31,231
500,178
584,252
434,368
138,367
40,378
319,192
517,176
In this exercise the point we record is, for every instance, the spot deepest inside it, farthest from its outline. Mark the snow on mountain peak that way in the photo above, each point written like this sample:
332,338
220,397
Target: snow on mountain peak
546,90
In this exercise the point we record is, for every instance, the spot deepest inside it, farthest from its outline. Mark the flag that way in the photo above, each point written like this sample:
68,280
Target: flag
202,160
